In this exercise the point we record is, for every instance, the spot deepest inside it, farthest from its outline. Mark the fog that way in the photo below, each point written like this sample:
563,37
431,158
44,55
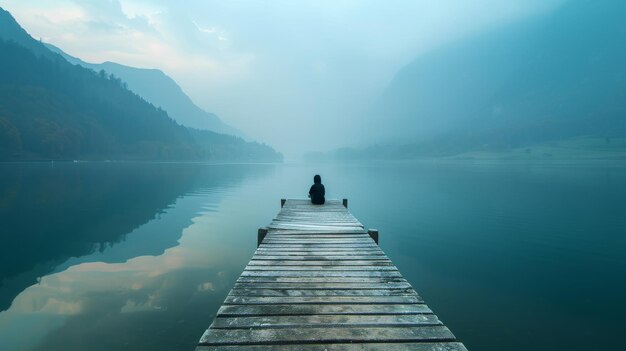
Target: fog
145,144
300,76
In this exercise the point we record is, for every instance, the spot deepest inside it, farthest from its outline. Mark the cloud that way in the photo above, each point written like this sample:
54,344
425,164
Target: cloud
204,30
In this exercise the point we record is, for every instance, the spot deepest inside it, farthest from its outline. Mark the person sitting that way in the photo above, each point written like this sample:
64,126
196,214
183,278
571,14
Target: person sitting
317,191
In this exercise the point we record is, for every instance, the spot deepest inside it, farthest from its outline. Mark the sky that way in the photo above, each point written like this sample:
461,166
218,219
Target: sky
295,74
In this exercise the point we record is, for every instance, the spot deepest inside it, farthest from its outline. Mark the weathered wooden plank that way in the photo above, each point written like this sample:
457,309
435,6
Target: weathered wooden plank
327,321
317,217
348,254
320,213
271,242
312,214
327,230
320,268
287,309
317,247
267,249
328,222
309,252
325,240
310,227
327,208
315,229
260,254
304,241
255,336
320,292
320,257
364,241
371,280
315,243
323,286
289,213
285,228
319,253
324,283
322,235
313,247
343,232
319,235
300,232
347,227
300,247
260,262
319,222
322,274
339,300
370,346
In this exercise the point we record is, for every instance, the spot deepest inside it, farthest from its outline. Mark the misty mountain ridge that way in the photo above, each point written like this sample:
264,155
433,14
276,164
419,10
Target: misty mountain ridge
52,109
162,91
543,80
10,30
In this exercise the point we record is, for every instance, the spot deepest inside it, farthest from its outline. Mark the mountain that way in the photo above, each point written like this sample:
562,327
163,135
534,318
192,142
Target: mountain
560,76
51,109
160,90
10,30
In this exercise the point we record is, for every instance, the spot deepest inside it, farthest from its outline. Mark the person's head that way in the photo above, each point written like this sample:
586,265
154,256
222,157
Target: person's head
317,179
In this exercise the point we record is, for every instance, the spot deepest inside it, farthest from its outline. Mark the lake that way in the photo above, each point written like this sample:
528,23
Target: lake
139,256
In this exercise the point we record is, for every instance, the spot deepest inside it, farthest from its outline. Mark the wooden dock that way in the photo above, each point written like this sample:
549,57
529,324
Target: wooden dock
318,281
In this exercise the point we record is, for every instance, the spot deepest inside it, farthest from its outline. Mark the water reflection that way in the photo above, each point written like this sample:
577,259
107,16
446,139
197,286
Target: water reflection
111,232
510,256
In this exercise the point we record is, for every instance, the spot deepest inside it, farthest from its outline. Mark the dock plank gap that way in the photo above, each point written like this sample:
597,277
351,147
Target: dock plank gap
319,281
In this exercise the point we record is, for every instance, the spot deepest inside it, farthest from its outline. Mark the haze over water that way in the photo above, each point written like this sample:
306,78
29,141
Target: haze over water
512,256
142,141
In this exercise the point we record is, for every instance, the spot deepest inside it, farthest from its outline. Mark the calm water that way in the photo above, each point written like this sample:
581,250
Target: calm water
139,256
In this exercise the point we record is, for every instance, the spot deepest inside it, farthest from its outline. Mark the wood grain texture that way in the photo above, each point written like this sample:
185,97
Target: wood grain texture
320,309
404,346
269,336
320,292
327,321
325,285
318,281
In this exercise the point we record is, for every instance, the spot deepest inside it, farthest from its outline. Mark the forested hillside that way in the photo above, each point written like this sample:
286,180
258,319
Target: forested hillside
160,90
51,109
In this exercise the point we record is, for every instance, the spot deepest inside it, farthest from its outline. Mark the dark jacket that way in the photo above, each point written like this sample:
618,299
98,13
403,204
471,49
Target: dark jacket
317,193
